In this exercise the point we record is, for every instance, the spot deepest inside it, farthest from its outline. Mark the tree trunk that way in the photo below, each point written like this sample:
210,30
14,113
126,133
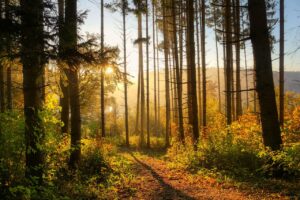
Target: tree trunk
71,46
281,67
218,64
147,68
102,92
264,77
203,51
167,87
177,77
2,94
32,60
237,28
228,66
125,73
192,91
8,70
154,66
64,85
141,72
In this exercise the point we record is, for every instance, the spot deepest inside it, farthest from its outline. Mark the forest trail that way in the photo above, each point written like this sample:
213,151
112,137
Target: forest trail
154,180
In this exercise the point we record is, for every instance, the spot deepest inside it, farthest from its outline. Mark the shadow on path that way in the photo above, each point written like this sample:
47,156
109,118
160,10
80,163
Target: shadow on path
168,192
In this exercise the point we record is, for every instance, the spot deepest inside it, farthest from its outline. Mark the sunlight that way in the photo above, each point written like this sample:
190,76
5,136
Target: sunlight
109,70
110,109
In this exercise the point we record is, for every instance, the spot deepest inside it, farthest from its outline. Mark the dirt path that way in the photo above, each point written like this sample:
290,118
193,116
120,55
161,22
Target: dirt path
154,180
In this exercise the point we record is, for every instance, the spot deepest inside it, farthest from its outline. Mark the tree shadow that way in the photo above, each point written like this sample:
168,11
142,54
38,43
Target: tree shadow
168,192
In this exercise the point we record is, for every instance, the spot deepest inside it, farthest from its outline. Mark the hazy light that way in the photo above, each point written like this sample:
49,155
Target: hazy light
110,109
109,70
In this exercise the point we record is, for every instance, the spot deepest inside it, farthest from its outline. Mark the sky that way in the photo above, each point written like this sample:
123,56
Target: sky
113,35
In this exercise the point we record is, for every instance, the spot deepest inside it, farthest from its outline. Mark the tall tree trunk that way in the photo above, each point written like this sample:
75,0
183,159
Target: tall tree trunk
141,72
33,64
237,28
281,67
102,92
203,52
2,94
264,76
228,66
64,85
71,46
158,79
198,15
192,85
154,66
177,77
8,70
167,87
147,68
217,56
125,72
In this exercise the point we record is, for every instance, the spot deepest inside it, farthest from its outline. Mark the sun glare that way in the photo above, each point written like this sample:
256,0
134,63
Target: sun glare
109,70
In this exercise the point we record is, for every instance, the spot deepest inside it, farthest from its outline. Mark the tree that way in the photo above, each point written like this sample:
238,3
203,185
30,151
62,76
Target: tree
9,52
124,12
237,27
203,51
228,66
177,75
264,76
65,98
2,97
167,83
191,67
33,61
281,65
102,103
71,48
147,68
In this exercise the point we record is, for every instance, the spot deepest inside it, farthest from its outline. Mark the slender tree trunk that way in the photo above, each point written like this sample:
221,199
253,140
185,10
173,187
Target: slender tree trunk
64,85
192,85
102,90
2,94
154,66
198,49
8,70
264,76
228,67
147,68
158,80
141,71
281,67
218,64
71,46
167,87
239,110
125,73
177,77
203,52
32,60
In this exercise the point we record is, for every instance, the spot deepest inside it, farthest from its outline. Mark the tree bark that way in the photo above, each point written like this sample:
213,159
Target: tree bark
32,52
71,46
167,87
264,77
125,72
102,92
192,91
228,66
177,71
281,63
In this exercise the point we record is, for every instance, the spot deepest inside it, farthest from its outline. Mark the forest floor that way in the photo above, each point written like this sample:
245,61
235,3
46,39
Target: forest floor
153,178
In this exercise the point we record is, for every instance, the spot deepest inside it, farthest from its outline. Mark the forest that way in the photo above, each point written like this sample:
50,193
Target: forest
189,99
